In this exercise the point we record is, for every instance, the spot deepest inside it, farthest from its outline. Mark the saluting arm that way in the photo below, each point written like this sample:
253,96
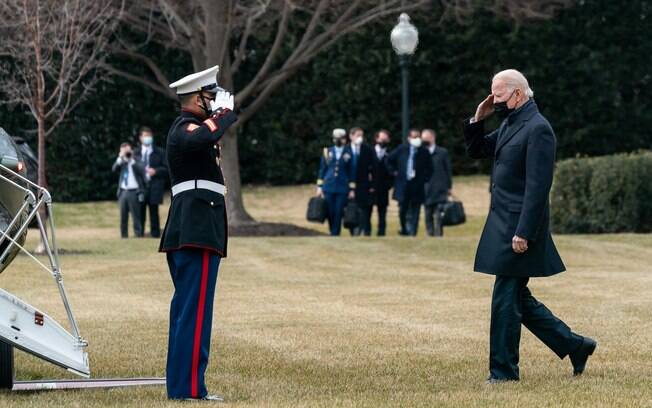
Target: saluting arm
478,144
539,169
209,132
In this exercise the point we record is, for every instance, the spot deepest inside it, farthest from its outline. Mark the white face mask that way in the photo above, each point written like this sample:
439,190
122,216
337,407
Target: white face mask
416,142
358,141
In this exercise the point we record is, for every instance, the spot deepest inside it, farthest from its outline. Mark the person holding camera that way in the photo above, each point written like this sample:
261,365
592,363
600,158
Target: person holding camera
131,189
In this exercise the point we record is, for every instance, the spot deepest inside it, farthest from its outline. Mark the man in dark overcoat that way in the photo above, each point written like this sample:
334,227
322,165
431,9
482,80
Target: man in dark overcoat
516,243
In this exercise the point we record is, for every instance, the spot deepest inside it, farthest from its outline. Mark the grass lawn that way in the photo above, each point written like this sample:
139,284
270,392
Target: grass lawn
344,321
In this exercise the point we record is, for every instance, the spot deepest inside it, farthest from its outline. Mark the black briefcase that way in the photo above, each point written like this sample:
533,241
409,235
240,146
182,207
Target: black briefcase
317,210
453,213
351,217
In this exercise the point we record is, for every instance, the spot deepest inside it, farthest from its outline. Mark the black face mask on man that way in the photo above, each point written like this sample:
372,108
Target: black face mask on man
338,141
501,108
205,107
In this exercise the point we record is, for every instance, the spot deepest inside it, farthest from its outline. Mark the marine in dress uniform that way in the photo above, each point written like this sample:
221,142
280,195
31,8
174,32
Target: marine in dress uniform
195,234
336,179
516,243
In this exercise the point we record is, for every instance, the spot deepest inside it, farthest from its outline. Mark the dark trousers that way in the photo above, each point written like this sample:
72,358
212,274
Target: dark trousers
194,275
336,203
512,304
364,217
433,220
128,202
154,221
408,214
382,219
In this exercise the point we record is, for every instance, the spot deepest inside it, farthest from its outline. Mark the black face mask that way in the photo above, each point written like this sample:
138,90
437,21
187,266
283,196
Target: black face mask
383,144
501,109
206,108
338,142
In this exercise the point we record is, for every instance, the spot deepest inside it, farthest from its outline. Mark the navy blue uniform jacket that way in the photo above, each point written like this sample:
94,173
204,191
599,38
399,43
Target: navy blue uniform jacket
197,218
523,148
336,175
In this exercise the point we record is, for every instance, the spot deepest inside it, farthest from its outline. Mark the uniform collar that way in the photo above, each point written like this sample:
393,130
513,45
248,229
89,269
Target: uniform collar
189,114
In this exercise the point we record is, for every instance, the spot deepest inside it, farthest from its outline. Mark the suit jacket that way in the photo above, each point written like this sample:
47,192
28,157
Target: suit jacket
197,218
383,180
156,185
139,174
524,151
365,166
404,189
442,177
336,175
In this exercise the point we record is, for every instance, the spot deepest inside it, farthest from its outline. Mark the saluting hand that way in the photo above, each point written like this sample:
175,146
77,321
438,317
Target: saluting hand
519,245
223,100
485,109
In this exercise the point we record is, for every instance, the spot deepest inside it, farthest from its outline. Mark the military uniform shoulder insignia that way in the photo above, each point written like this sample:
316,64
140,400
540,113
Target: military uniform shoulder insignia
192,127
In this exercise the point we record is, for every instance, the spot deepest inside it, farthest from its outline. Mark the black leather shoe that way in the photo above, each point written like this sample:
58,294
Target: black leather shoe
494,381
208,398
580,356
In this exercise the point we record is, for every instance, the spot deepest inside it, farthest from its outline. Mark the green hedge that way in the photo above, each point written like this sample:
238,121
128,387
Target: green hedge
603,194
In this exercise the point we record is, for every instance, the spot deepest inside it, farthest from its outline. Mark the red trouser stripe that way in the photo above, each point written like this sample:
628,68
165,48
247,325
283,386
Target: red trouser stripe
198,326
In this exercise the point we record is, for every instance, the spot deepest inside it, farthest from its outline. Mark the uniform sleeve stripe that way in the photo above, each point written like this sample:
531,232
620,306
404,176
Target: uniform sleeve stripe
211,124
192,127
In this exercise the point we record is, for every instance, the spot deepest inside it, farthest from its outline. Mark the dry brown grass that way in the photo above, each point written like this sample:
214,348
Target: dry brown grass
346,322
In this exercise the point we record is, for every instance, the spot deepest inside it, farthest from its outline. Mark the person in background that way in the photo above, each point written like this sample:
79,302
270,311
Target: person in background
411,166
383,179
131,189
156,176
335,181
364,166
440,185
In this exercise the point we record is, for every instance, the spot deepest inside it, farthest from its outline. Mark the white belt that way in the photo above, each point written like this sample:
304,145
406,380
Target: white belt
197,184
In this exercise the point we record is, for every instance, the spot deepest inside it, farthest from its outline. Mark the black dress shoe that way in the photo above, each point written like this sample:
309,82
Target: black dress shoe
208,398
580,356
494,381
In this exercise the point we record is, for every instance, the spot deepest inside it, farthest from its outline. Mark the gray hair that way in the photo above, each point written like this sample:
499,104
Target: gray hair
514,80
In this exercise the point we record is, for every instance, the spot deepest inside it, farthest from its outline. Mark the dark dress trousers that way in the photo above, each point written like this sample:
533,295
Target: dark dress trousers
155,188
410,194
523,148
383,182
130,200
195,240
364,164
437,189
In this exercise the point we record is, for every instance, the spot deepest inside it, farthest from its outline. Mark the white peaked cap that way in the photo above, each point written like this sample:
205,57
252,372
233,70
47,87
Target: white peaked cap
339,132
205,80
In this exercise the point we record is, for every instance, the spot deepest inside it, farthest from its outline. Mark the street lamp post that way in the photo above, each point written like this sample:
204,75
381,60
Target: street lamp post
404,38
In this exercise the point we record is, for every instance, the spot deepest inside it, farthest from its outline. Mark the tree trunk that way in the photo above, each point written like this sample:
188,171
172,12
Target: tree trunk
237,214
217,40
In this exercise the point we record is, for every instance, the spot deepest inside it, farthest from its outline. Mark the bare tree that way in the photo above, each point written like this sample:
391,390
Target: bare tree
221,33
50,54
